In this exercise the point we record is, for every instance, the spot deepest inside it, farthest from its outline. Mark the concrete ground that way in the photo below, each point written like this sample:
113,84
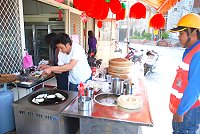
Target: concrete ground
158,86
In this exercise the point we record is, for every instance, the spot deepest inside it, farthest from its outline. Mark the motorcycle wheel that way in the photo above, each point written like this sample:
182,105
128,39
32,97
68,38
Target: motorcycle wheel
147,69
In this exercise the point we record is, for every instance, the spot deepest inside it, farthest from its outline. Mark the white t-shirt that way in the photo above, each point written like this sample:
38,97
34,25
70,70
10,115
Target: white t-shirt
81,71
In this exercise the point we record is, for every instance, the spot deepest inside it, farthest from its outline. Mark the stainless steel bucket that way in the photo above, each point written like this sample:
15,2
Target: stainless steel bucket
117,85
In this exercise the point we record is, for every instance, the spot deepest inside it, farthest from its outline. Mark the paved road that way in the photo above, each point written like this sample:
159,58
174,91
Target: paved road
158,85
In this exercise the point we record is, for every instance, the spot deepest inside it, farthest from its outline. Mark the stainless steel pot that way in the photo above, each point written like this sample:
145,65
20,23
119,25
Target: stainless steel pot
117,85
128,88
84,103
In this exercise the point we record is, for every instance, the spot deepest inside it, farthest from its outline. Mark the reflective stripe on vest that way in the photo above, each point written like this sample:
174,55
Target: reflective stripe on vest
184,66
181,81
176,93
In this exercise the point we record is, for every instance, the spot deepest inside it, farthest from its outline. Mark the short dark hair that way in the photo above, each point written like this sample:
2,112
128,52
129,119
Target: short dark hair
62,38
90,33
192,29
49,39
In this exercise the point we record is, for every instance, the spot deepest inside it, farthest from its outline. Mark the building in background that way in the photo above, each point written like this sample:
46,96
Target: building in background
175,13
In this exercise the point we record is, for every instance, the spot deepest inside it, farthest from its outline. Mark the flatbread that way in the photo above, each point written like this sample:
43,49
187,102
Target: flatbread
130,101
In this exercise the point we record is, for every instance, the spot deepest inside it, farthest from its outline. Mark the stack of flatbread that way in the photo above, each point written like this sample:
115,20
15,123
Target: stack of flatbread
130,101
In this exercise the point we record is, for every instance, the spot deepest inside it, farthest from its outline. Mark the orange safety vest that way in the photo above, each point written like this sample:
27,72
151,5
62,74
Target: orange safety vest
181,82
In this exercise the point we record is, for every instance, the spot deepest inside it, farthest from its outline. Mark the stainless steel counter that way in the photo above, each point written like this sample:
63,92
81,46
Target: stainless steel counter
34,83
37,119
102,116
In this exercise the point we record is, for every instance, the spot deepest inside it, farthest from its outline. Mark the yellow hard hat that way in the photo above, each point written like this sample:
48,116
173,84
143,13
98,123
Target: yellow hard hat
190,20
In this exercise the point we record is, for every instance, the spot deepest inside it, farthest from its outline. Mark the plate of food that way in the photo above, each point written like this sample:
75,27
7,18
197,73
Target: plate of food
93,84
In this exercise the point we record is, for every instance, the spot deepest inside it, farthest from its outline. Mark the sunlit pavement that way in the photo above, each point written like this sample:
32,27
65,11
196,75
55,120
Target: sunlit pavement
158,86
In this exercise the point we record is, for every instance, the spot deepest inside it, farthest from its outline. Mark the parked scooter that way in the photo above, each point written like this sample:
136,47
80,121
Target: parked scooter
150,62
134,55
93,62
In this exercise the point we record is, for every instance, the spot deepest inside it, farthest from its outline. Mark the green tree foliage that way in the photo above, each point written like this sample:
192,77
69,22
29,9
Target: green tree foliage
165,35
143,32
147,36
143,35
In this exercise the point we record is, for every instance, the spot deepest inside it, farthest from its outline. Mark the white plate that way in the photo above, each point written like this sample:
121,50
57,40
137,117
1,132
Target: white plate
99,79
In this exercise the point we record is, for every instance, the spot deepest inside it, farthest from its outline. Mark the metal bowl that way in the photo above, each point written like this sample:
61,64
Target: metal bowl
106,99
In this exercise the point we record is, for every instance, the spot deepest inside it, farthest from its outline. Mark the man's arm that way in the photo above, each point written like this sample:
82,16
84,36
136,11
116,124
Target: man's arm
60,69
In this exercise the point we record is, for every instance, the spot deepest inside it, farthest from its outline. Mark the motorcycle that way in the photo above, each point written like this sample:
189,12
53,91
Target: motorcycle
150,62
93,62
134,55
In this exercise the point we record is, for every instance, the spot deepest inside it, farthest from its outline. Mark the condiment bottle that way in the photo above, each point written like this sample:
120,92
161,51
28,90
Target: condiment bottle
81,90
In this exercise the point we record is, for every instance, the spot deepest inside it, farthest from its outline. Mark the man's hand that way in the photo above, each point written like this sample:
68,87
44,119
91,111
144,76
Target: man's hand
46,71
43,66
177,118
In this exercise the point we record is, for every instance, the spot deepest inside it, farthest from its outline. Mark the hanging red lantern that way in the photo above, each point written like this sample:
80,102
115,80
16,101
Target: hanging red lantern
157,21
115,6
60,13
104,11
84,5
99,24
97,10
60,1
121,15
137,11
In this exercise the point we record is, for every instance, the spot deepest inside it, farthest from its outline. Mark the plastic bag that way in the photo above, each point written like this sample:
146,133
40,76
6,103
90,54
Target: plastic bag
27,61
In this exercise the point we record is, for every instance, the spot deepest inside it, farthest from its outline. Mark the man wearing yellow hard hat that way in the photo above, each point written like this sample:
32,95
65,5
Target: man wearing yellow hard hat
185,93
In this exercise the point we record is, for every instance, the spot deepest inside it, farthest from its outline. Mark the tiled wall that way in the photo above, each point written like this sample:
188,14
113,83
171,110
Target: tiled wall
10,37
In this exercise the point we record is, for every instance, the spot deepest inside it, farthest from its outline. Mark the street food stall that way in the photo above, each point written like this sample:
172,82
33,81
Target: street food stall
106,118
101,114
64,109
103,105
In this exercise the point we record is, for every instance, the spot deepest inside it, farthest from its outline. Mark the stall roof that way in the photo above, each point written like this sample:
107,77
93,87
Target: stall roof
162,6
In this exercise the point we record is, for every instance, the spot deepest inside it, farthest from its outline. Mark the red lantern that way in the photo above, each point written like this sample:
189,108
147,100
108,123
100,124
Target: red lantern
84,5
137,11
104,11
115,6
121,15
96,12
99,24
157,21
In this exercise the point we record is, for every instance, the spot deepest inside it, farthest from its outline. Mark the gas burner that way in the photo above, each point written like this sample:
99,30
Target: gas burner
49,97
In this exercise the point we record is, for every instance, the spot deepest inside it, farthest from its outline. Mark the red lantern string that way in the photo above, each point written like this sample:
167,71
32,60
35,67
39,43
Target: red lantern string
157,21
60,13
83,17
99,24
137,11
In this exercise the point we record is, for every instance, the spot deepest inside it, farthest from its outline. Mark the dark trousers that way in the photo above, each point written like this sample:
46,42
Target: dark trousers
73,87
62,80
90,51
